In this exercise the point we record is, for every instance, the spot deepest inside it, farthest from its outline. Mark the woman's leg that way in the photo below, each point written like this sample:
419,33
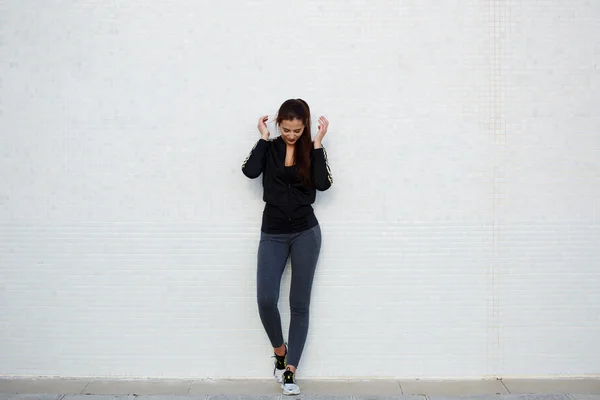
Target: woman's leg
273,252
305,250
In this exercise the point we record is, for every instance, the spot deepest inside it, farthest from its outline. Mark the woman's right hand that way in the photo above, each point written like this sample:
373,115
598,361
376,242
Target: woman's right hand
262,127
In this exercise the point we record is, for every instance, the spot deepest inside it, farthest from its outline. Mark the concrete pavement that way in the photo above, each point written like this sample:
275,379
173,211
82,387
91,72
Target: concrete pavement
162,389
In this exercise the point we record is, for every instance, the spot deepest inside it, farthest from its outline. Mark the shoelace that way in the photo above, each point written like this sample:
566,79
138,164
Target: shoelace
288,377
279,362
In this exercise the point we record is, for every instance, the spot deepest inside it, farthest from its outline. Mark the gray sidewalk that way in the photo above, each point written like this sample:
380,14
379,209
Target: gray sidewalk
163,389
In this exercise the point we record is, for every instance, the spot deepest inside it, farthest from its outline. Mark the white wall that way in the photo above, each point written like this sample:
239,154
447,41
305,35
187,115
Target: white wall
461,236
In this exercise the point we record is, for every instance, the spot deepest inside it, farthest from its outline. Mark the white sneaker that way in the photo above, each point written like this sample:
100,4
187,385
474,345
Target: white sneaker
280,364
289,385
279,375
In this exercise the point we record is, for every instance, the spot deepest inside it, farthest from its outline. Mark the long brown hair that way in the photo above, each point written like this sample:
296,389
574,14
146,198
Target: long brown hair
298,109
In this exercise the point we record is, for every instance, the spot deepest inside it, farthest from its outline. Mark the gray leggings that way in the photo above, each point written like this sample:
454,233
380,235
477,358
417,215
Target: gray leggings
273,252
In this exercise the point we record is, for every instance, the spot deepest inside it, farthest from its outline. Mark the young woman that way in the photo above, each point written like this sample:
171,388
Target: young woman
294,167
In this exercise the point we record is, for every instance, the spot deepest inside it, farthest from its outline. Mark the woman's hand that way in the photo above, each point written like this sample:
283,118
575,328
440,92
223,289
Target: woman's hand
323,125
262,127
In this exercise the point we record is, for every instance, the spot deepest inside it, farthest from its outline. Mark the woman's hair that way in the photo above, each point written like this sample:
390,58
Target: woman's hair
298,109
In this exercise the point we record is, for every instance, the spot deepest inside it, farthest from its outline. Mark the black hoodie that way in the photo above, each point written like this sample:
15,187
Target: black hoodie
288,202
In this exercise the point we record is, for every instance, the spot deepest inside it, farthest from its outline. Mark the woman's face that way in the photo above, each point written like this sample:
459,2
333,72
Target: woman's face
291,130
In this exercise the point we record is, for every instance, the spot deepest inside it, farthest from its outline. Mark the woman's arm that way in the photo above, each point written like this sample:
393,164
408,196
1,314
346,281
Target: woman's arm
254,164
321,174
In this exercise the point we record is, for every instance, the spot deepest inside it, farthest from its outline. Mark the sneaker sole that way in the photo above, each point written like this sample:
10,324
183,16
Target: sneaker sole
290,393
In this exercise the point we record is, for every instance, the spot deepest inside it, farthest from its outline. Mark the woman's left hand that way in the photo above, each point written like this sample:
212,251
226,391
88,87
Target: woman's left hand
323,125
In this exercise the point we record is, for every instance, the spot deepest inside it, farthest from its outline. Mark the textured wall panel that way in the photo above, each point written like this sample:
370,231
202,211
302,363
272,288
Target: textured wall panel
460,237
